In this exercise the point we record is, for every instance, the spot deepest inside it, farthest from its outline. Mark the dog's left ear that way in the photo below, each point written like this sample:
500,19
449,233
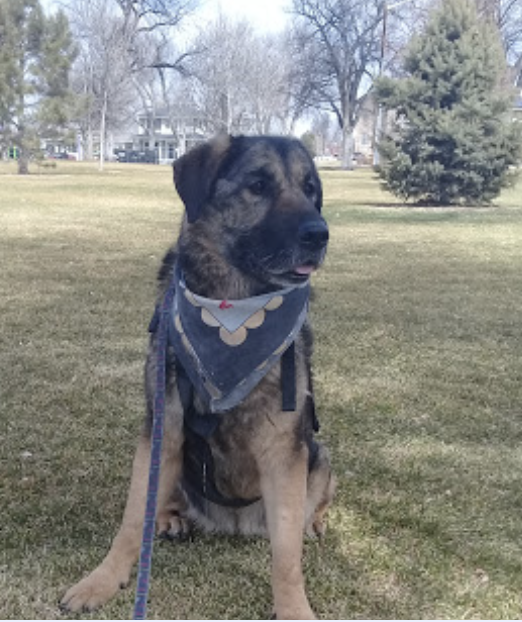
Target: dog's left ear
194,174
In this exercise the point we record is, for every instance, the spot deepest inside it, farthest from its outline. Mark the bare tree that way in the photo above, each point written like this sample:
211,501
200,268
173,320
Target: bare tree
507,16
336,51
150,26
322,129
218,88
401,20
269,95
125,48
239,79
102,72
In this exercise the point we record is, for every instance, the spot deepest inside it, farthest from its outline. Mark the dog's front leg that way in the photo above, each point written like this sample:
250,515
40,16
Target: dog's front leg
284,496
114,571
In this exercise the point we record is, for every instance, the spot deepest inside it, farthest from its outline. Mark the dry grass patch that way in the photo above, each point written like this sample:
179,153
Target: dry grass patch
418,365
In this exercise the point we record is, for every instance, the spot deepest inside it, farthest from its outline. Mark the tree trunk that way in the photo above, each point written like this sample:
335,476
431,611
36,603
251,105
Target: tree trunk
89,154
102,131
23,163
23,152
348,148
152,131
226,123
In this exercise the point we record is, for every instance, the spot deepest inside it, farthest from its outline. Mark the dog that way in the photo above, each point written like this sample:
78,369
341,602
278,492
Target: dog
239,454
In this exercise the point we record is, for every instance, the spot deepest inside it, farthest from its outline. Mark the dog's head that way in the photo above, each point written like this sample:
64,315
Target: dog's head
260,198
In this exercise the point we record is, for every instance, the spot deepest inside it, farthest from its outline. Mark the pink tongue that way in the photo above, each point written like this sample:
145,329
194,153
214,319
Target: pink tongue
304,270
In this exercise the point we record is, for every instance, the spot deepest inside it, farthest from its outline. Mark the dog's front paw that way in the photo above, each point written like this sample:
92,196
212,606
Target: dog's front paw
173,527
294,613
93,591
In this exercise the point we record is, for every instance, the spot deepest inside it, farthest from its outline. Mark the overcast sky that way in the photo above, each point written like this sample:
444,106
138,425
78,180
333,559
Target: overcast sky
265,15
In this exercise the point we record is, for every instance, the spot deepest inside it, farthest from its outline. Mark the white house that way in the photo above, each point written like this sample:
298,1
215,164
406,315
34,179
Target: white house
161,135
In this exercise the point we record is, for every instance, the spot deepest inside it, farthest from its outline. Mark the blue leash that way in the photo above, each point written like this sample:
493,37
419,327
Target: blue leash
149,526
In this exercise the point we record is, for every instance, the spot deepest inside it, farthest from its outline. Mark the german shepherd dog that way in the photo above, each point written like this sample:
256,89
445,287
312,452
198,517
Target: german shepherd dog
252,227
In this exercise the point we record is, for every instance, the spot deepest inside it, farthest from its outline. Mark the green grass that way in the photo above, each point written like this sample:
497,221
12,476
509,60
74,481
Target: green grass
418,377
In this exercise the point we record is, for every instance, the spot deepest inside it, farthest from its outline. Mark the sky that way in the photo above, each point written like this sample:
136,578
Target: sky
265,15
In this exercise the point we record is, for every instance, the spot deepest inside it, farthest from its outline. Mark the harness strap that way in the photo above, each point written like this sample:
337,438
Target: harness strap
288,389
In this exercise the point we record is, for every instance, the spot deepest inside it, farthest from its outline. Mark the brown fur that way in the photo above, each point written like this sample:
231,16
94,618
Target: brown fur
246,200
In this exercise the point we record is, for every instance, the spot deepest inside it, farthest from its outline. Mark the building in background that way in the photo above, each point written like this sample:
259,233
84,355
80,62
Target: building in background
161,136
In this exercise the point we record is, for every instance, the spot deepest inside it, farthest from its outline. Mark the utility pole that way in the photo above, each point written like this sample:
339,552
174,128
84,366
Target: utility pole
380,112
379,122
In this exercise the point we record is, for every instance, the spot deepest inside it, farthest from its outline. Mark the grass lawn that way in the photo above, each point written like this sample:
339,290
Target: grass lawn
418,370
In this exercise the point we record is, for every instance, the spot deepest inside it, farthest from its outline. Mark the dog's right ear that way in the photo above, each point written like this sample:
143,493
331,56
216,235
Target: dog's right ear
194,174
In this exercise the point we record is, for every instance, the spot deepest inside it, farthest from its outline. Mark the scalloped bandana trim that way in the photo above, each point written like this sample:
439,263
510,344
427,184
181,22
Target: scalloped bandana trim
228,346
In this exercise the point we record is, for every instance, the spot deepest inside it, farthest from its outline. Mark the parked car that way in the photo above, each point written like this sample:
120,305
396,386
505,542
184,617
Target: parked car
147,156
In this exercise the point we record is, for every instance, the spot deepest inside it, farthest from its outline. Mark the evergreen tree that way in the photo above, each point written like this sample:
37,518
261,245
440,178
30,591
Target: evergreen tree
454,140
36,53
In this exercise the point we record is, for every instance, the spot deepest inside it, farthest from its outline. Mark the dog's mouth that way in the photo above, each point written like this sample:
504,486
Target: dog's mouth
302,268
304,271
300,273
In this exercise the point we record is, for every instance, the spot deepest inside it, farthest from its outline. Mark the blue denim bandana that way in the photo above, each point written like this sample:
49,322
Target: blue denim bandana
228,346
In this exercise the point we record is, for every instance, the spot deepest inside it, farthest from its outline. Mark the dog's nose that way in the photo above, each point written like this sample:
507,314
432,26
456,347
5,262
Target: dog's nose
313,234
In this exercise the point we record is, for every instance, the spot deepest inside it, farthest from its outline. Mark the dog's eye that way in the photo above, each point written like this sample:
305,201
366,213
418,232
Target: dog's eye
258,187
309,188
